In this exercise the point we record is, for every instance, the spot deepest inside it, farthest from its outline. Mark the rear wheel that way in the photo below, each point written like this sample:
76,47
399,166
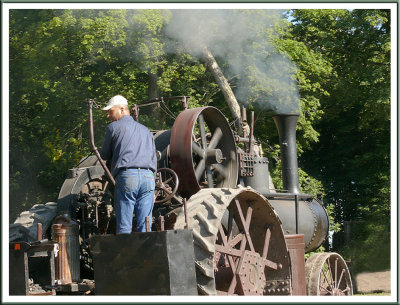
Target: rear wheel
246,253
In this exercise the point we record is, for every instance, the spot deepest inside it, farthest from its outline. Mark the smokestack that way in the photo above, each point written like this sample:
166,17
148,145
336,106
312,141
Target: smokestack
286,125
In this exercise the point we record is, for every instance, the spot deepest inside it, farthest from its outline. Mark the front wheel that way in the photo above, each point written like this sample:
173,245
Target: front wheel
327,275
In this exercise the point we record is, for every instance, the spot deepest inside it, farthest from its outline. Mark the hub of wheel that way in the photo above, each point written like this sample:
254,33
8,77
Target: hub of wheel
251,274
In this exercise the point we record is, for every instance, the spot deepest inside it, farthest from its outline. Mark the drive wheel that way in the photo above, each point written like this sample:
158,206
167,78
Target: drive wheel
327,275
244,255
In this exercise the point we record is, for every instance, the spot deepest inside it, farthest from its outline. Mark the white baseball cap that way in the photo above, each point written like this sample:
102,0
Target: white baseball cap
114,101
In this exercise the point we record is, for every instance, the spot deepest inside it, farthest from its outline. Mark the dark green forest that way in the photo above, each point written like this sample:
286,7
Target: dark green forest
334,65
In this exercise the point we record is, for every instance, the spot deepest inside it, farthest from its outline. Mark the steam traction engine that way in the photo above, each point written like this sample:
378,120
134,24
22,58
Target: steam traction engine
248,239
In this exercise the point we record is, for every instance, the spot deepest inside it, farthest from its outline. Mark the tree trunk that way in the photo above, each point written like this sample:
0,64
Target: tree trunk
230,98
223,84
153,93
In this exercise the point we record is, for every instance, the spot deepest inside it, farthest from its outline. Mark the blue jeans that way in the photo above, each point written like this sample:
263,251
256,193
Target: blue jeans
134,191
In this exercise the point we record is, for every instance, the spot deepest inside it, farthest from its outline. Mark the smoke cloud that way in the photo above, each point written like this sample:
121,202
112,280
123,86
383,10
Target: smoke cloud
242,42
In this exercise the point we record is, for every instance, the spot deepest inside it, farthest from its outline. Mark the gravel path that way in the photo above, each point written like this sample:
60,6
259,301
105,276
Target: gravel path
373,282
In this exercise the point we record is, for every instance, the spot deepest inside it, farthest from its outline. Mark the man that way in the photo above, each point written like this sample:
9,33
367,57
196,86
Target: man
130,148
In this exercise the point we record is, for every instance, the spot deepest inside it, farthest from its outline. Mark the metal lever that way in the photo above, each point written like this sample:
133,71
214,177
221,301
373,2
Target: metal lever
93,148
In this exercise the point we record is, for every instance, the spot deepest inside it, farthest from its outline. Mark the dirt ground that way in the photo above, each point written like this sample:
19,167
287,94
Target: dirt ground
373,282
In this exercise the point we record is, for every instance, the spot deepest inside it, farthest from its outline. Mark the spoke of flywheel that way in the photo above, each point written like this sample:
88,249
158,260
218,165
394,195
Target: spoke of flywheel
200,168
196,148
215,138
245,223
209,176
202,131
220,169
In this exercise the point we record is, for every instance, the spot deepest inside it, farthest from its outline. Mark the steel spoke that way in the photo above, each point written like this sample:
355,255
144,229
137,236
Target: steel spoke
246,223
340,279
199,171
223,236
232,285
165,190
221,170
224,243
231,262
230,221
266,243
336,273
202,131
324,289
168,180
236,240
330,271
226,250
215,138
270,264
323,272
320,286
197,149
346,289
209,176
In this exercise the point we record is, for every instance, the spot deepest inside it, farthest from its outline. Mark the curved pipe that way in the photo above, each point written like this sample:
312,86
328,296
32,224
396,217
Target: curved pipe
93,148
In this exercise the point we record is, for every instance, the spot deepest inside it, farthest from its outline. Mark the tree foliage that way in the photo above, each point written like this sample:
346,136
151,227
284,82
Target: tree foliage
352,158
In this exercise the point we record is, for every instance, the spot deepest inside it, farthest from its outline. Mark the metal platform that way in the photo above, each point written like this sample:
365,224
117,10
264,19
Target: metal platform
153,263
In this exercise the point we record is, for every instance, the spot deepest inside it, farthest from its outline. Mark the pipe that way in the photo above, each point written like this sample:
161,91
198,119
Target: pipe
286,125
251,133
93,147
243,114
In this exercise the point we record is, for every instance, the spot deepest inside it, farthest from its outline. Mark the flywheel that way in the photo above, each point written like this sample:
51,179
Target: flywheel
203,151
245,255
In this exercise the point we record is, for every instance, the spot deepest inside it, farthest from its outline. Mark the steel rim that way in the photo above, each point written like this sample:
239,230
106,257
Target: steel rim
327,274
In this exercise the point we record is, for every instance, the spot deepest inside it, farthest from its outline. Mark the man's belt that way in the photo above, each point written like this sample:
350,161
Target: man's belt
134,167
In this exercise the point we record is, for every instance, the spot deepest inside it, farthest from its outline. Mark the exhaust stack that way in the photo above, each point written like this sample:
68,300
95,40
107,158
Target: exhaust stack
286,125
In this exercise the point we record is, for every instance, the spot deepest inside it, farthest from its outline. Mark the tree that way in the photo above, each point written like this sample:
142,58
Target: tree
61,58
352,158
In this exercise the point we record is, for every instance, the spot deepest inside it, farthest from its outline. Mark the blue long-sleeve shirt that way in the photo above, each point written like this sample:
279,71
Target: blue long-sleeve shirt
128,143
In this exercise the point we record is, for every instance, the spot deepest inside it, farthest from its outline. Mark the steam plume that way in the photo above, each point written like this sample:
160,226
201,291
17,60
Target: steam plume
243,39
